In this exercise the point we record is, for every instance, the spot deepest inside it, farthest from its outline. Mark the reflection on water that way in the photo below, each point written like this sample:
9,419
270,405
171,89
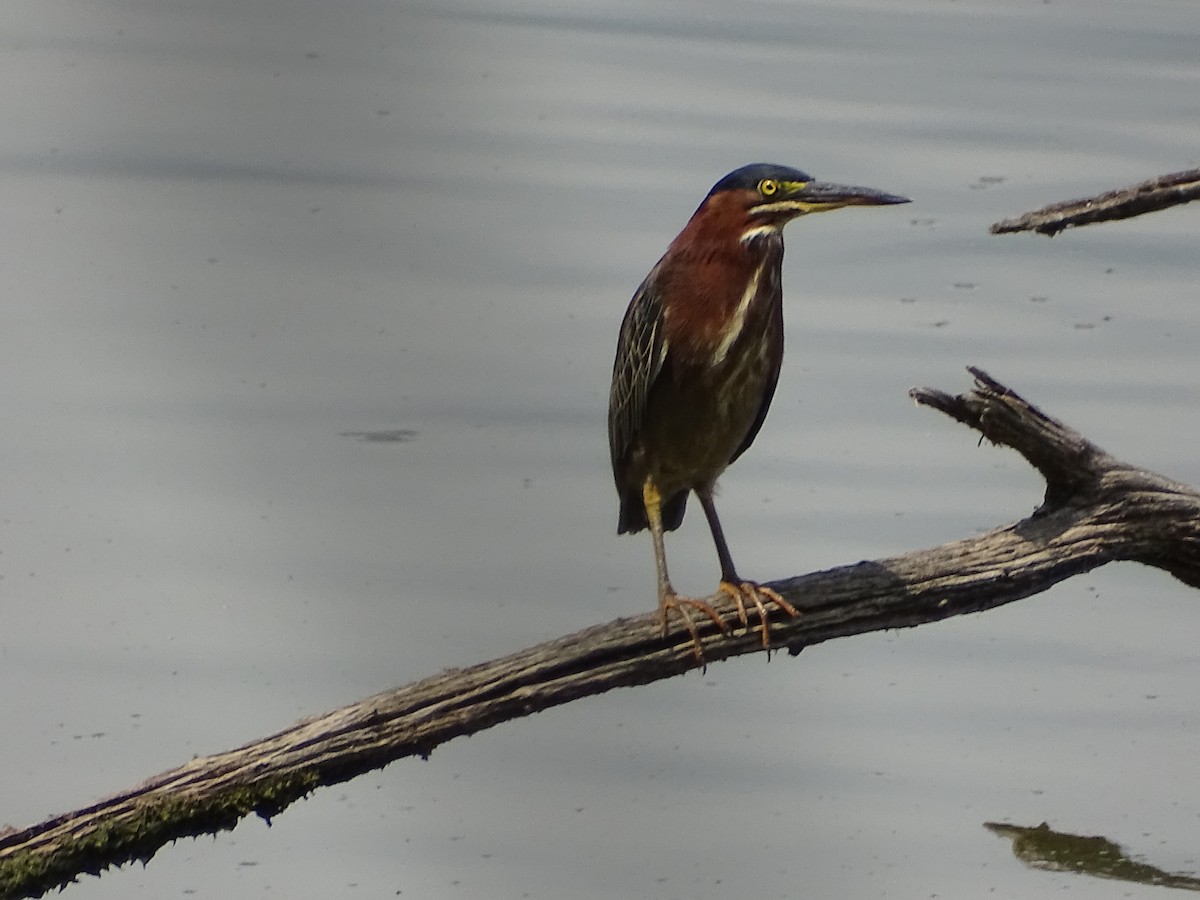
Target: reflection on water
386,436
1041,848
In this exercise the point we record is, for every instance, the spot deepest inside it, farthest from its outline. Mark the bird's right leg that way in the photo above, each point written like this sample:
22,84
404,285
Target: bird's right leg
738,588
667,598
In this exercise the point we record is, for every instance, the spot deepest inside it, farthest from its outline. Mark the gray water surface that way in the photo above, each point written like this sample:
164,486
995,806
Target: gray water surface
238,238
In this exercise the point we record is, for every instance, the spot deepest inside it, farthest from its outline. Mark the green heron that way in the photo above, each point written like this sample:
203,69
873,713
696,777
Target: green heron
697,363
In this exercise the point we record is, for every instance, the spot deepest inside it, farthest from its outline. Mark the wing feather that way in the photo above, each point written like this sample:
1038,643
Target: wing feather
641,351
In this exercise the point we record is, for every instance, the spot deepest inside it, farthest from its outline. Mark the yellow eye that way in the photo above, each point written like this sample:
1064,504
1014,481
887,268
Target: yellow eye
767,187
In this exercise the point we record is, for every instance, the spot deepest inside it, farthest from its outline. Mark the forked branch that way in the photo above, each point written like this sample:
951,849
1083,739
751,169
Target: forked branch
1096,510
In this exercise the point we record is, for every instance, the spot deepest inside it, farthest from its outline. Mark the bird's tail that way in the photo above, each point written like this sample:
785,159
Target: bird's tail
633,512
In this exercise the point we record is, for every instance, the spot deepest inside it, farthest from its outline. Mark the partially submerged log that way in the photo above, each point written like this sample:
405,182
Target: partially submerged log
1123,203
1096,510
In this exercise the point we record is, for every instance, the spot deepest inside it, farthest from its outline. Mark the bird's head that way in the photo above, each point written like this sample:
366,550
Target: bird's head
763,197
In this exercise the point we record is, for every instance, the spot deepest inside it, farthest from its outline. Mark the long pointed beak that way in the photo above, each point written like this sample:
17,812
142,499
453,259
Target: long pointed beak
818,196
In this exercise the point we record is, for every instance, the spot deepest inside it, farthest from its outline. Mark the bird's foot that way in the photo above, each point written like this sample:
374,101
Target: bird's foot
743,591
683,605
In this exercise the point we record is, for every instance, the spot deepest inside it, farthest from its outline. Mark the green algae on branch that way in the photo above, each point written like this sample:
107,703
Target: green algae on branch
137,833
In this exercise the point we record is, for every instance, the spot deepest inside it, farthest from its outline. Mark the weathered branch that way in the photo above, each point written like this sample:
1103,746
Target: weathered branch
1124,203
1097,509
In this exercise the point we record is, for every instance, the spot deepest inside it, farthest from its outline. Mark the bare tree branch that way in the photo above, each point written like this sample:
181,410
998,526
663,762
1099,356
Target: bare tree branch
1124,203
1096,510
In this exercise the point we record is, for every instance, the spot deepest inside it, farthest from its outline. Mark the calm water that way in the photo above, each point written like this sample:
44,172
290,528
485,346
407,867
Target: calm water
235,235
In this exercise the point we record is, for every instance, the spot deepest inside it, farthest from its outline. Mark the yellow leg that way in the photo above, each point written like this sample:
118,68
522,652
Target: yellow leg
668,599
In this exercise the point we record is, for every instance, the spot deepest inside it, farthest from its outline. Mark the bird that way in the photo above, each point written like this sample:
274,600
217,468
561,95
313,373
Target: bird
698,359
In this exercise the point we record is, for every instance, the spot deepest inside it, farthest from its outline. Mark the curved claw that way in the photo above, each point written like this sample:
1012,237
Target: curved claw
755,593
681,604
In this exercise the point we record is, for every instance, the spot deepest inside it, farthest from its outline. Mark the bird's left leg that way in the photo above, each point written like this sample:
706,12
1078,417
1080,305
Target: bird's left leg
733,585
